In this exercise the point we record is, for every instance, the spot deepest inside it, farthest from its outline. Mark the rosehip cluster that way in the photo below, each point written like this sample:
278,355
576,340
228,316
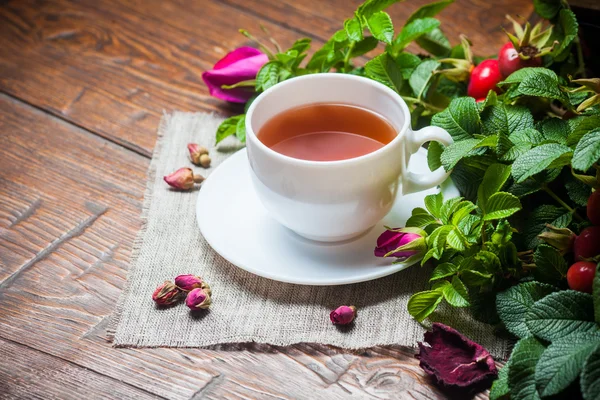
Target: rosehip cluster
184,178
195,290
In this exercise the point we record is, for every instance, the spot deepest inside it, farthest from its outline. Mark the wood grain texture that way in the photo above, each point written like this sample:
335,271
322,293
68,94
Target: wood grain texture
69,203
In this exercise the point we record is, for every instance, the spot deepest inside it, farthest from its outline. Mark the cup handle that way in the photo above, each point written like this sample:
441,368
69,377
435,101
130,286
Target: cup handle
412,182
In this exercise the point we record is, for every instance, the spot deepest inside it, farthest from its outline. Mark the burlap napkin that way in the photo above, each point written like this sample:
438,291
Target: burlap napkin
246,307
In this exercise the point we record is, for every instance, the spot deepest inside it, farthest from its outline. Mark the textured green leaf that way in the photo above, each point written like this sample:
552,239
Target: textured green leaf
353,29
547,8
467,179
582,127
587,151
542,85
433,203
421,304
560,314
456,293
590,376
521,374
456,240
448,208
228,127
429,10
442,271
462,209
551,267
240,129
420,218
364,46
381,26
500,389
456,151
434,152
435,42
370,7
494,179
525,73
529,136
383,69
514,303
578,191
562,362
506,119
420,77
413,30
270,74
537,160
537,220
407,62
555,129
568,24
460,119
501,205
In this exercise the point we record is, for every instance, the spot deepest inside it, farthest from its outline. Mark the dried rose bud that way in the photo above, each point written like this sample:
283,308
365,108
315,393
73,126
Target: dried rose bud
343,315
198,299
205,160
190,282
166,294
196,151
183,179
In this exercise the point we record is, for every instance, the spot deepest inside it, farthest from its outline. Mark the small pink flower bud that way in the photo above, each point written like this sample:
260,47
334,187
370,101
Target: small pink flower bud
392,239
190,282
198,299
343,315
196,151
183,179
166,294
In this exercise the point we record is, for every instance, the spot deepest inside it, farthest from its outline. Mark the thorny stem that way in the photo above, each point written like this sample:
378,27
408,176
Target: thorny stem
561,202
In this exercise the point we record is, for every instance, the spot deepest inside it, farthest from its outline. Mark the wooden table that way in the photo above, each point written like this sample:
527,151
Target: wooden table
83,85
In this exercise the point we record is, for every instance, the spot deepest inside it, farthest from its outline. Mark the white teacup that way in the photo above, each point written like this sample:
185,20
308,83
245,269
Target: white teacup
336,200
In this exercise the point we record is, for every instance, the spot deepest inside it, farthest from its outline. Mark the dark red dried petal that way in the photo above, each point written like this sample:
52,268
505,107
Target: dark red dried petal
455,361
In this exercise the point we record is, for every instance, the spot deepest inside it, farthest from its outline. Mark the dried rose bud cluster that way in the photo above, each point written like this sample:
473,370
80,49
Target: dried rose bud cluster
195,290
184,178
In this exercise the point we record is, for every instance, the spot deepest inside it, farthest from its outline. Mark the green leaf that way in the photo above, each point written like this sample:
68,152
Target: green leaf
501,205
381,27
500,389
537,160
545,214
412,31
555,129
421,75
301,45
590,376
429,10
585,125
240,129
461,211
560,314
420,218
562,362
521,374
383,69
513,304
467,179
370,7
407,62
542,85
364,46
456,239
434,152
437,240
433,203
435,42
456,151
456,293
269,75
353,29
503,233
448,208
529,136
228,127
568,24
528,72
551,267
494,179
596,294
421,304
460,119
547,8
578,191
442,271
587,151
506,119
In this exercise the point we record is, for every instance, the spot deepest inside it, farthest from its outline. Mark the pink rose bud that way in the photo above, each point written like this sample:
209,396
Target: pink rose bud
166,294
390,240
198,299
196,151
343,315
183,179
190,282
240,65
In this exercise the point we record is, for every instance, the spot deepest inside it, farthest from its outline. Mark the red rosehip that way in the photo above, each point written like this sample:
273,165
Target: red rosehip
593,208
484,78
587,244
509,60
580,276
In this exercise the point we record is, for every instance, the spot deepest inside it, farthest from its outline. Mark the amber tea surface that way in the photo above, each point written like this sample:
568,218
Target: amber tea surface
326,132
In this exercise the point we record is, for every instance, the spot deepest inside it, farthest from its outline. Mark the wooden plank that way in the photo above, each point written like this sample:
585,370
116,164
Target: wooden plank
480,20
31,374
69,203
113,68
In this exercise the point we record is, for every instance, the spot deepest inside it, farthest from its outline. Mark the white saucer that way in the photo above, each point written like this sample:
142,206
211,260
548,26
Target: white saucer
237,226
